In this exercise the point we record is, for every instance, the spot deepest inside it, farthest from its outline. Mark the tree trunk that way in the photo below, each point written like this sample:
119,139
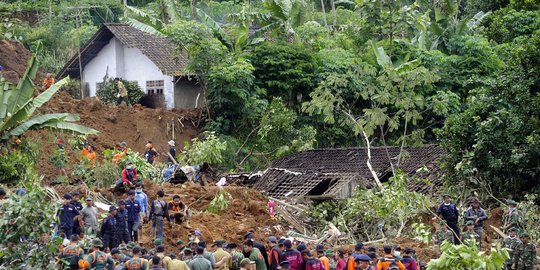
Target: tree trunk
125,8
324,14
193,4
334,12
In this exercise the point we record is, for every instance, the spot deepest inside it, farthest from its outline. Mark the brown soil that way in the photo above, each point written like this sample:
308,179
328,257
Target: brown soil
13,58
134,125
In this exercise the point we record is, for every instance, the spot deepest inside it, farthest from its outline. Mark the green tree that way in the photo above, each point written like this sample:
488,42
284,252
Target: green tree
107,93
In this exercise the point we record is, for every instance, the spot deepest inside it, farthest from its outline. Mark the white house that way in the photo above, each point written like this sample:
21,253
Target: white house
119,50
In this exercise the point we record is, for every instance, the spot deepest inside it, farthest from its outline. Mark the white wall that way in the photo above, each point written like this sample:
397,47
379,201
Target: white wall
129,64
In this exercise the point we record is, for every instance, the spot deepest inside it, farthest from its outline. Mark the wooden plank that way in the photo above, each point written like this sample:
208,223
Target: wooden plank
296,225
498,231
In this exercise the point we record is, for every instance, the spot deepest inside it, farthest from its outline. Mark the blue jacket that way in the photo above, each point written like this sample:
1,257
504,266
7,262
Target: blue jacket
109,226
448,212
121,219
143,201
66,214
133,209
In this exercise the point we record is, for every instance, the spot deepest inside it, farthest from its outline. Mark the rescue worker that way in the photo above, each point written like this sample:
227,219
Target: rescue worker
311,263
255,255
78,226
362,262
166,261
449,212
258,245
525,254
236,256
48,81
129,175
122,95
180,245
511,242
274,258
67,215
151,153
133,208
207,255
121,152
443,233
122,233
172,152
199,262
387,259
409,261
73,254
292,256
469,234
98,260
358,249
512,218
478,215
157,263
188,255
178,264
89,214
136,263
285,265
322,256
108,229
143,201
178,211
222,257
158,214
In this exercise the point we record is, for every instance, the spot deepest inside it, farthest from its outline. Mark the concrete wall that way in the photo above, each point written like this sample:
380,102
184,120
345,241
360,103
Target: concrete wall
185,94
130,64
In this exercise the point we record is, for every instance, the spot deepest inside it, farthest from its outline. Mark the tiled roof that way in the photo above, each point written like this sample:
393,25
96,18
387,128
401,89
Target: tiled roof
160,50
327,169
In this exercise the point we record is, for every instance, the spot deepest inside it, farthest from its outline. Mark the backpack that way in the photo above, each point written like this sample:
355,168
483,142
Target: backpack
236,259
159,208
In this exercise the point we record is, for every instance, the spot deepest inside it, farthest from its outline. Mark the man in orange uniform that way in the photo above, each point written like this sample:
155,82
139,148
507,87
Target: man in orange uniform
48,81
388,259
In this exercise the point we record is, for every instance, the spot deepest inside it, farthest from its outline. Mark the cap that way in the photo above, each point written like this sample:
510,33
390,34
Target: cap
88,199
188,250
67,196
287,243
200,249
511,202
115,251
372,255
372,249
446,195
387,249
232,245
193,243
122,247
285,264
244,262
301,247
158,241
319,248
75,193
171,143
359,246
219,242
112,208
202,244
248,235
362,258
121,202
272,239
97,243
513,229
409,251
523,234
469,223
197,233
179,242
131,245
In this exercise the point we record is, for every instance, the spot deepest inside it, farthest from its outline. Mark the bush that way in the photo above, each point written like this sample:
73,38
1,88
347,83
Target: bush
16,162
209,150
107,94
467,256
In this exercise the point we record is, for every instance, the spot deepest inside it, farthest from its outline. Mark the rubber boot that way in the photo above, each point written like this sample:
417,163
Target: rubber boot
186,224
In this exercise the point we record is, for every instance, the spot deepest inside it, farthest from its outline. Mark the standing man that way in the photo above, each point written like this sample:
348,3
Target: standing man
362,262
258,245
222,257
292,256
122,94
254,255
274,258
476,214
311,262
512,217
77,223
172,152
108,229
136,263
89,214
98,259
158,213
469,234
151,153
525,254
143,202
511,242
358,249
178,211
133,208
449,212
237,256
322,257
122,233
67,215
72,254
199,262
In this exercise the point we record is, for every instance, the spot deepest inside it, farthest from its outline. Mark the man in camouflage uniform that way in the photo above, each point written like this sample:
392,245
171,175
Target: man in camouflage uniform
512,218
443,234
525,254
511,242
236,256
470,235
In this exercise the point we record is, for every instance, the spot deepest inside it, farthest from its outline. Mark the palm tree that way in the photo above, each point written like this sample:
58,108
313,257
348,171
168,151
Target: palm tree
18,106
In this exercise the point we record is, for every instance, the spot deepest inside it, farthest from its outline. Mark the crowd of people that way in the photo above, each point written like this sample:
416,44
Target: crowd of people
116,241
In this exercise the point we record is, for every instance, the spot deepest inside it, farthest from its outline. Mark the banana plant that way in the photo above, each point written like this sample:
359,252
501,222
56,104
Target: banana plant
18,106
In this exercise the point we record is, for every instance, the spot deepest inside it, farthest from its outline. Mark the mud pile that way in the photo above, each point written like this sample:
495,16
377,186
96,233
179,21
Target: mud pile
13,58
134,125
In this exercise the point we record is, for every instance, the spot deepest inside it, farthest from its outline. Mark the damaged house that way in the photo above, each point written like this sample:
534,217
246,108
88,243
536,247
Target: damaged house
335,173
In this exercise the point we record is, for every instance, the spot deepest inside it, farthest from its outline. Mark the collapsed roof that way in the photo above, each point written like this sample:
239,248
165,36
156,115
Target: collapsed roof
335,173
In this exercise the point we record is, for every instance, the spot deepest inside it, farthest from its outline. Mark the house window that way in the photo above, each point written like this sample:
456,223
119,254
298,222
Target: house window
99,86
154,87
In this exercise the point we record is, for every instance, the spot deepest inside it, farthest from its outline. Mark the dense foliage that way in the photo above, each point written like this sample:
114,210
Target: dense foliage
108,92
